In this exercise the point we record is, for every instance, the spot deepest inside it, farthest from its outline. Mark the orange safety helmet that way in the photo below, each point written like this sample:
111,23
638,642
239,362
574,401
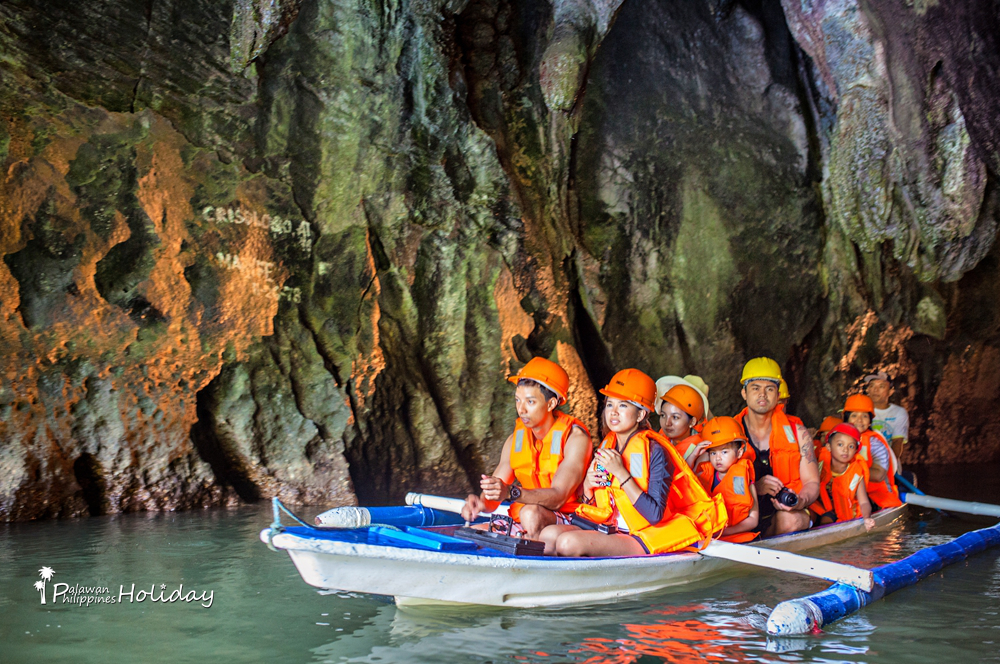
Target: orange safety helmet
719,431
859,403
547,373
632,385
687,399
828,424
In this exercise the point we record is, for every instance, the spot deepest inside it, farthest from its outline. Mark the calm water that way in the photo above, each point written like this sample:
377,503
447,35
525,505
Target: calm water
262,611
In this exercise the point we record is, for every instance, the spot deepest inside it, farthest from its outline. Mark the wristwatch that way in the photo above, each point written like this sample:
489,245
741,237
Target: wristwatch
514,493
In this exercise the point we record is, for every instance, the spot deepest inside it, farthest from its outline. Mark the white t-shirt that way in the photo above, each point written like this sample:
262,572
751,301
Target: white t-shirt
892,422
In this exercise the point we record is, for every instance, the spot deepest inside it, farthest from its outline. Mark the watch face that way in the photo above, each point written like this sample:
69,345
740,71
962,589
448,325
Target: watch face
515,492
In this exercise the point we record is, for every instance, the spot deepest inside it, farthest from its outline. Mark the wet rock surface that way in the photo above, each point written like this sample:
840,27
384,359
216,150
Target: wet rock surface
294,248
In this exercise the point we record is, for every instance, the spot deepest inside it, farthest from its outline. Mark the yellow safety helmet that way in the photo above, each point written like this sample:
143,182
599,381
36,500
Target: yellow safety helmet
783,390
761,368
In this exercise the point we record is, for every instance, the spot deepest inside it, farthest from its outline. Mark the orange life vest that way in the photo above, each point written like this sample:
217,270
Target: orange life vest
734,488
783,448
690,514
687,445
844,501
884,493
535,463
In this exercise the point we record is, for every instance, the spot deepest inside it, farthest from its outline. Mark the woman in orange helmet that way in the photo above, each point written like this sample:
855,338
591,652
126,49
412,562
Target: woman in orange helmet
641,497
544,461
682,409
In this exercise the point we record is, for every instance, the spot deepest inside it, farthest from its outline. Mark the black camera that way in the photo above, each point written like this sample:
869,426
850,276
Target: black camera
787,497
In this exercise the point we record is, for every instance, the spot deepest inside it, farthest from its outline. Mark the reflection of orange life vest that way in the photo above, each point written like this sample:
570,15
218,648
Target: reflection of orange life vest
844,501
783,447
534,464
687,445
884,493
734,488
690,514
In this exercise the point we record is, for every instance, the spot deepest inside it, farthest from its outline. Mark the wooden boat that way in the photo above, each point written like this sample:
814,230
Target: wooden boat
376,560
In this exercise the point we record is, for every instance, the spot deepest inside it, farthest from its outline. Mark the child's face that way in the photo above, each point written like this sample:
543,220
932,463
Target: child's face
531,405
861,421
620,415
724,456
674,422
843,447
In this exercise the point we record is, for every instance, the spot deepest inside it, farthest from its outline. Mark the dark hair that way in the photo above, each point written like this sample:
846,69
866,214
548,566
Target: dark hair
546,392
848,413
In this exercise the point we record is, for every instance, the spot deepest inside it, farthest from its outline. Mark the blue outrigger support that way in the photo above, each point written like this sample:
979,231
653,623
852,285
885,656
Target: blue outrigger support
810,613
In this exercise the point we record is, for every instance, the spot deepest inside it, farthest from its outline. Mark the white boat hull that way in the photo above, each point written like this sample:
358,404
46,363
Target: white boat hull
422,577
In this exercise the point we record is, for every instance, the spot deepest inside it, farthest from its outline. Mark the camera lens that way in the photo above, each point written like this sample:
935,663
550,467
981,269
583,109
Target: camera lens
787,497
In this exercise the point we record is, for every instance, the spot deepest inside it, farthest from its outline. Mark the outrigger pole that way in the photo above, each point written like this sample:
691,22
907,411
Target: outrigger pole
807,614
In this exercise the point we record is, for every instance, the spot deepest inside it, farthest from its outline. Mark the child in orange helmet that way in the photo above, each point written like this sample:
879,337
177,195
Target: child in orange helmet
859,410
641,497
724,472
819,440
843,476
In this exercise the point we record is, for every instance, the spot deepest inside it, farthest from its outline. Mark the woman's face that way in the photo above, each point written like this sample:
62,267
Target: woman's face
861,421
620,416
674,422
531,405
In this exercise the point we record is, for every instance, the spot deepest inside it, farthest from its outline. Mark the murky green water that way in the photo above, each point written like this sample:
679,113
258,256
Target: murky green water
262,611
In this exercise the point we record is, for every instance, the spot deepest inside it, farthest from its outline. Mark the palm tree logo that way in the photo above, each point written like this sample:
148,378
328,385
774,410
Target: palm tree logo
46,574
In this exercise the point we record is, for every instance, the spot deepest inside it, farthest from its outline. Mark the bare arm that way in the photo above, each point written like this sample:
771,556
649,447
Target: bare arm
808,470
568,475
865,505
502,477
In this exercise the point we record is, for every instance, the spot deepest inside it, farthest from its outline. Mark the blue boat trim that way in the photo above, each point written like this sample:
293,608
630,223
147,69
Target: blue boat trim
805,614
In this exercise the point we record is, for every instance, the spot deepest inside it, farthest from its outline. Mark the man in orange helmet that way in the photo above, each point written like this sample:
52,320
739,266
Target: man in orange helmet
781,450
543,462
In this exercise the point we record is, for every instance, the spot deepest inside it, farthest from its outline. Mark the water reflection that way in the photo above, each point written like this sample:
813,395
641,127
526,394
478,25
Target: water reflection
264,612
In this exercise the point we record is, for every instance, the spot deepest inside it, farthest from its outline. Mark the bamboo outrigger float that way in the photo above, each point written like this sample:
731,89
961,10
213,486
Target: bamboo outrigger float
425,565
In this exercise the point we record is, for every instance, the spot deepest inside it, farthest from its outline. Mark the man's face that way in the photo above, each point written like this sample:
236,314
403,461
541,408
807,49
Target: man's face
879,390
531,405
761,396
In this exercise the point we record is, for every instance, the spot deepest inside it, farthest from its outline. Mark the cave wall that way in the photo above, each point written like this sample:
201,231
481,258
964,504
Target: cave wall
293,248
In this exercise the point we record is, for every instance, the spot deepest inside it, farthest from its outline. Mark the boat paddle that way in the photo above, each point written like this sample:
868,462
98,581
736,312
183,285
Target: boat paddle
781,561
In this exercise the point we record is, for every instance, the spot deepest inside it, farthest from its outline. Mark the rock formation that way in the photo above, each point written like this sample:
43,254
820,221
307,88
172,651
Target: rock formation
293,248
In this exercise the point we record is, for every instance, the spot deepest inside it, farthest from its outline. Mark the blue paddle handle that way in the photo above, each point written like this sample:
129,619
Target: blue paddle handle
909,487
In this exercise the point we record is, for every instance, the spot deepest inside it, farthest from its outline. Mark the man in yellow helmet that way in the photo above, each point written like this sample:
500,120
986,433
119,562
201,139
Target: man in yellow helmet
543,462
781,451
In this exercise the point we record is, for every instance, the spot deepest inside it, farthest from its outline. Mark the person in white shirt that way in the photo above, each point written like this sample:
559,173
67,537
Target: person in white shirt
891,420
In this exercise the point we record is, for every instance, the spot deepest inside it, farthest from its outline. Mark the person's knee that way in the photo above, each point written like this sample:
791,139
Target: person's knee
534,518
568,545
790,522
